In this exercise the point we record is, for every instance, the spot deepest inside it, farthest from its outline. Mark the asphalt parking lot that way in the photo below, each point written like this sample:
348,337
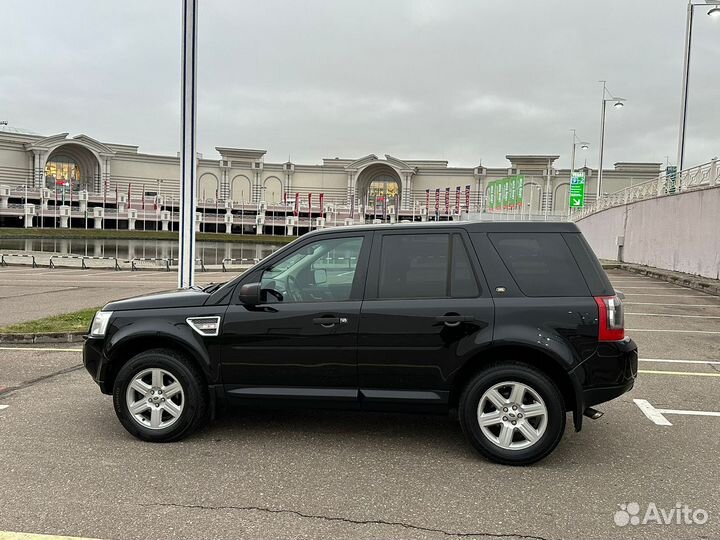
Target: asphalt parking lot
31,293
69,468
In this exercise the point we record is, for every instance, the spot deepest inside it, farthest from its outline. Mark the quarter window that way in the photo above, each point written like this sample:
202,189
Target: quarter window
540,263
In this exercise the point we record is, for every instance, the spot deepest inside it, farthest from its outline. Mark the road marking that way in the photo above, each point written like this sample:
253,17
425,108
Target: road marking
688,373
3,407
618,281
38,349
669,361
689,413
662,304
674,295
674,315
661,288
10,535
673,331
657,416
651,412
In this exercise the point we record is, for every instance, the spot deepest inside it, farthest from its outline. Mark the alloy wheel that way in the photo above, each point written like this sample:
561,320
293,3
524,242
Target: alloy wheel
155,398
512,415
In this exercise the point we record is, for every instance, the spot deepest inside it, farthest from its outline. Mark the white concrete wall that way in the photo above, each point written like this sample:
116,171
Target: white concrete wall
675,232
15,165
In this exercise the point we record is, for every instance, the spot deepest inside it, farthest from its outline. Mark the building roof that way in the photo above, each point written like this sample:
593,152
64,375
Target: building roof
17,130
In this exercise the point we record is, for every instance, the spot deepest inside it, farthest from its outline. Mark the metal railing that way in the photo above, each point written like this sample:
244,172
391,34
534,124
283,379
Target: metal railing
164,260
82,259
703,176
226,262
3,262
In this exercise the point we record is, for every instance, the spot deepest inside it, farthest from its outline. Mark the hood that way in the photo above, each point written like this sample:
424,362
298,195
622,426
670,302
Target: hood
169,299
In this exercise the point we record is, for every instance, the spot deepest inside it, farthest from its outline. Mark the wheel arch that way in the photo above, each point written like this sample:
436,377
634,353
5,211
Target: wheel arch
540,359
125,349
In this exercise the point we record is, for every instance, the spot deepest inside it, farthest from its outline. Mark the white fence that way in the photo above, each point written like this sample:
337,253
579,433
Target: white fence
700,177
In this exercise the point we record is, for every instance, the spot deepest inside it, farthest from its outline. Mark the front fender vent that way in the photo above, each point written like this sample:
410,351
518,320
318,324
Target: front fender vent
205,326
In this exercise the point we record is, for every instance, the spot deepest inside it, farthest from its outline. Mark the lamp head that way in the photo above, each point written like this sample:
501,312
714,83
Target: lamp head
584,146
714,12
619,104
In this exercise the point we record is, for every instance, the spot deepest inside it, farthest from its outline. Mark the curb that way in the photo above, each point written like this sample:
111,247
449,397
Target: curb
49,337
706,285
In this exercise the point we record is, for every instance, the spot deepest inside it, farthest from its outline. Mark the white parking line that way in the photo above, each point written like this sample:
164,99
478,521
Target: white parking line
673,295
684,373
663,304
689,413
619,281
672,331
674,315
38,349
661,288
651,412
671,361
3,407
657,416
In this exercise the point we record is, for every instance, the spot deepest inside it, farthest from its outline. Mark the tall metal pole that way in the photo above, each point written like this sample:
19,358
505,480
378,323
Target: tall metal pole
684,98
188,159
602,143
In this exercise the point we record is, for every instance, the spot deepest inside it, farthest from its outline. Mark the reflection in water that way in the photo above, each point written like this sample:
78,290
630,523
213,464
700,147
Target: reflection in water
125,249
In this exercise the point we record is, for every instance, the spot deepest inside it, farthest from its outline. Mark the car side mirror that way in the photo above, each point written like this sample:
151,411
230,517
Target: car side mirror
320,276
250,294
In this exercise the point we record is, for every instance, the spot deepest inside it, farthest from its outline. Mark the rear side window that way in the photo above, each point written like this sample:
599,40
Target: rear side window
540,263
418,266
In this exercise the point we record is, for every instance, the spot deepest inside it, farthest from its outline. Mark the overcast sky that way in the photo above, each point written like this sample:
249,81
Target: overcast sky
458,80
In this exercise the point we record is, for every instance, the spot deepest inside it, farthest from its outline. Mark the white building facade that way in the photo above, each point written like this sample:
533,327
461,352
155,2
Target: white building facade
244,176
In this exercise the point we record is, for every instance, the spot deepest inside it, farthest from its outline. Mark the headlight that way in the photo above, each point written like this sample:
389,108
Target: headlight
99,323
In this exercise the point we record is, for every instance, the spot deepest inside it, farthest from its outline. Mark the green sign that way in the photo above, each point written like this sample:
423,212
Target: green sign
506,193
577,190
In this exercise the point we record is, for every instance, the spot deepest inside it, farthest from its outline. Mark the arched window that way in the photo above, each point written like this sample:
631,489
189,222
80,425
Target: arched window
64,172
383,195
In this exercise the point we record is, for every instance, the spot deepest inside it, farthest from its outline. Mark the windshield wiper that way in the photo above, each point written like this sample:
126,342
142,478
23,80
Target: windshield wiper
212,287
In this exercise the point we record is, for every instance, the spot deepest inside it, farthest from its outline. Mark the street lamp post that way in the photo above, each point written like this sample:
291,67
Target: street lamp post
606,96
575,143
715,13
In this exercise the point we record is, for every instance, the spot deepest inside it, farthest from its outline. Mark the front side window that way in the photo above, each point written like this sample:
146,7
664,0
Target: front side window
322,271
425,266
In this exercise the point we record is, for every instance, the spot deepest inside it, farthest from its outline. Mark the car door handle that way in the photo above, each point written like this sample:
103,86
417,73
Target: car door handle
454,319
329,322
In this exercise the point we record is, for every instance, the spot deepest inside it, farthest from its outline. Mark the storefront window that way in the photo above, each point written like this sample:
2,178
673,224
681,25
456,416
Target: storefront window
63,172
383,196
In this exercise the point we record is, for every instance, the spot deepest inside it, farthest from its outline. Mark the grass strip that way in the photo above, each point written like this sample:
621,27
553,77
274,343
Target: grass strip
77,321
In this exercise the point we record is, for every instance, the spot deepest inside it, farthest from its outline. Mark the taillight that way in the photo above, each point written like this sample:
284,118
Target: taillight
611,321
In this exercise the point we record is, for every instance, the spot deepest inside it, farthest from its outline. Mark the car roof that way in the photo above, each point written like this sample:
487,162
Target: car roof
470,226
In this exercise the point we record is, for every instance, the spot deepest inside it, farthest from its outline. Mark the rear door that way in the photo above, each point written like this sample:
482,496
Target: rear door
426,311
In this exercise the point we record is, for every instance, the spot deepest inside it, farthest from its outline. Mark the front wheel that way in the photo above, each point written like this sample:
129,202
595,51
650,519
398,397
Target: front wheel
512,413
159,396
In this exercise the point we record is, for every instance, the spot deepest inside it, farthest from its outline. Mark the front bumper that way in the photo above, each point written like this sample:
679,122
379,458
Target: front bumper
95,362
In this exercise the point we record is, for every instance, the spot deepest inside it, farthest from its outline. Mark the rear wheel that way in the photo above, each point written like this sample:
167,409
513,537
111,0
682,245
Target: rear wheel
512,413
160,396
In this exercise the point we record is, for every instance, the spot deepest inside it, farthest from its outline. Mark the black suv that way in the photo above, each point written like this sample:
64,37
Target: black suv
510,325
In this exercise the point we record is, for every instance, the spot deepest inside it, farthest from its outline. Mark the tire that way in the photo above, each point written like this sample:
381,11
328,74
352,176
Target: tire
499,440
161,419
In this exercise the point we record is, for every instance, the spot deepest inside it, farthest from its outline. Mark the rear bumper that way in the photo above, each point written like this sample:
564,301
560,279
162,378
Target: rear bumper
607,374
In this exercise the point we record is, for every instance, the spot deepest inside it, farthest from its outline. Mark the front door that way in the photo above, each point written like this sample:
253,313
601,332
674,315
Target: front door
301,342
426,313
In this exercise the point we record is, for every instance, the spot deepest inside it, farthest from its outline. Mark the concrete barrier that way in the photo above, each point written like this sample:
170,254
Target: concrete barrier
676,232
